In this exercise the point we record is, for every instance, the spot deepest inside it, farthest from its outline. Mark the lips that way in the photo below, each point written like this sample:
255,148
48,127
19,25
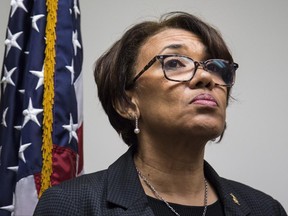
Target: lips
204,99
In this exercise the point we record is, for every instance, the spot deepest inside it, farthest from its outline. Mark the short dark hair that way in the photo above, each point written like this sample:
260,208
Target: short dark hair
115,68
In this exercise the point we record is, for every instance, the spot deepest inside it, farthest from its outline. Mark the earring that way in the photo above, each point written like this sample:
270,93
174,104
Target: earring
136,130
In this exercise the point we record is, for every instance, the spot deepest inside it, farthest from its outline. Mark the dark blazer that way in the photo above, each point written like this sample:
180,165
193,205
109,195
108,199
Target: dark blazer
118,191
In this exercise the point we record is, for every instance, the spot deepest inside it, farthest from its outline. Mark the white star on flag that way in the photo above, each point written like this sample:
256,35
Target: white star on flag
22,91
11,207
3,122
7,78
72,129
21,151
11,41
71,69
35,18
18,127
40,75
31,114
75,42
76,9
14,168
15,4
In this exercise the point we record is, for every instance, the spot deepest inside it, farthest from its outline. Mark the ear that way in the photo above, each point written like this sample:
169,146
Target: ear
129,108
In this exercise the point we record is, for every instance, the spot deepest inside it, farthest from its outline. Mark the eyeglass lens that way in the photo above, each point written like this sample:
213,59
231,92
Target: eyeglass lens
181,68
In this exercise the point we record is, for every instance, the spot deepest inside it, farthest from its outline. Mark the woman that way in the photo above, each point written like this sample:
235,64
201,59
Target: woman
165,87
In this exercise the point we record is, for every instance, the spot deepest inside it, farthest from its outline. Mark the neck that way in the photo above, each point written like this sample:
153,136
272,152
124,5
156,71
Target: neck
176,171
175,157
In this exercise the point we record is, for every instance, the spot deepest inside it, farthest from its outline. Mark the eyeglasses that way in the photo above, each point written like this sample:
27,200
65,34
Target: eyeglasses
180,68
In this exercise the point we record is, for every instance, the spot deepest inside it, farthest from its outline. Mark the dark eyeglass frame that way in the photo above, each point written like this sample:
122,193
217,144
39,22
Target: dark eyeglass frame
160,58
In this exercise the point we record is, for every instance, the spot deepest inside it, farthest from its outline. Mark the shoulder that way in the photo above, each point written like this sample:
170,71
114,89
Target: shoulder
81,186
256,200
88,194
94,180
237,196
247,191
78,196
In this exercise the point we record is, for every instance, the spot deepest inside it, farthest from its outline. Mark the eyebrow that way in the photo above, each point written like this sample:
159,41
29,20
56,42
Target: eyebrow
172,46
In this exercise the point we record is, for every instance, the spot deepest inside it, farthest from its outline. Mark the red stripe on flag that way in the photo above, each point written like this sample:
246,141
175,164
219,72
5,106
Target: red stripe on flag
80,149
37,179
63,164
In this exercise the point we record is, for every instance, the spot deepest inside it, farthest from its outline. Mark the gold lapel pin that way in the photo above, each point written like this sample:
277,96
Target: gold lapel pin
234,199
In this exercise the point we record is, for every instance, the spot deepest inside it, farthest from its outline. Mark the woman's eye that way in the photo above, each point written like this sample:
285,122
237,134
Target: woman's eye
173,64
216,66
213,68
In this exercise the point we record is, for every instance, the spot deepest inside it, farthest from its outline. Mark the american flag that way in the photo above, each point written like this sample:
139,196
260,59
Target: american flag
41,120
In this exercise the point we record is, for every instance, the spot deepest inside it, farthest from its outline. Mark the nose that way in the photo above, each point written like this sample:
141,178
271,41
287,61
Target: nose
202,79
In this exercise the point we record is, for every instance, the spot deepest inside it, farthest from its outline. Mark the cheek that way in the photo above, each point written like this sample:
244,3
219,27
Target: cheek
223,107
158,97
223,98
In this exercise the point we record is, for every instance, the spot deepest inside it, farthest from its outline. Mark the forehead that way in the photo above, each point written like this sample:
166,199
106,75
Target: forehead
173,40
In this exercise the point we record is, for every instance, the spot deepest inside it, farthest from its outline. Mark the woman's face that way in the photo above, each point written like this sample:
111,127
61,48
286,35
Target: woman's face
194,108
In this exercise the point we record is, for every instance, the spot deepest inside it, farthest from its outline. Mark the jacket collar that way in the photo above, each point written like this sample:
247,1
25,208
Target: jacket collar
125,189
233,203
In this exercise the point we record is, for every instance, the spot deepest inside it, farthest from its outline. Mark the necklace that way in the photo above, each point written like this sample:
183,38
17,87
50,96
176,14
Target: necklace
167,204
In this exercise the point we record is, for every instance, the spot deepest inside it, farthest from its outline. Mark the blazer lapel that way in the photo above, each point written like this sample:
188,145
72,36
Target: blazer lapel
124,187
232,202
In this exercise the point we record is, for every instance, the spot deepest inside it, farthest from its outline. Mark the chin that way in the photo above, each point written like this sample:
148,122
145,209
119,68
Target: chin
209,131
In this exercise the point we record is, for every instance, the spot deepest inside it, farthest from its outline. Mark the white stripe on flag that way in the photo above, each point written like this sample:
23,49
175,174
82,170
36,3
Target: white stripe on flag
26,196
78,85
